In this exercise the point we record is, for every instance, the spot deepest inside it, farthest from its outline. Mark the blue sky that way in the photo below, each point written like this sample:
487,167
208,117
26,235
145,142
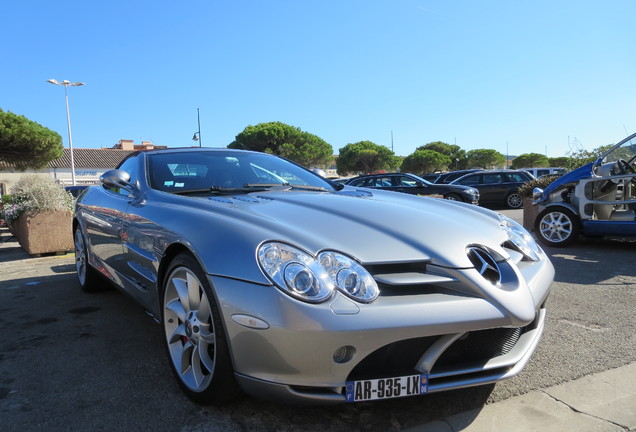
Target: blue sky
516,76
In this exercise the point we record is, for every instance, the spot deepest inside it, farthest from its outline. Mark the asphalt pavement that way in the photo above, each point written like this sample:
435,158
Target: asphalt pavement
604,401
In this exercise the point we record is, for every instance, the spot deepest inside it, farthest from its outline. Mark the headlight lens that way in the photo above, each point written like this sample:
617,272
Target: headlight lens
349,276
314,280
296,272
520,238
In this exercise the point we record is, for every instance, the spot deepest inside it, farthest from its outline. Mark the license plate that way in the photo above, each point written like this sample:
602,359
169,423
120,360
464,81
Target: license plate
386,388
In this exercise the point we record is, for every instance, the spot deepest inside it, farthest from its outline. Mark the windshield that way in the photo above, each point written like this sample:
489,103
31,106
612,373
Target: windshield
187,171
625,151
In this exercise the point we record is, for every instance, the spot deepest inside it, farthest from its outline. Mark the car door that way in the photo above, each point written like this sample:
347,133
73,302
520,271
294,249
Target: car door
410,185
475,181
494,187
103,220
381,182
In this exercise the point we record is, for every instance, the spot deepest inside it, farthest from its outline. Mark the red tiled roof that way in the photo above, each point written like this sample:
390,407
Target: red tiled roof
90,158
83,158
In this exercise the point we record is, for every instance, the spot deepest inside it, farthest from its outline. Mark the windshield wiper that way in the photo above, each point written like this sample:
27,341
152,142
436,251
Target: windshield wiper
308,187
218,190
264,185
287,185
248,187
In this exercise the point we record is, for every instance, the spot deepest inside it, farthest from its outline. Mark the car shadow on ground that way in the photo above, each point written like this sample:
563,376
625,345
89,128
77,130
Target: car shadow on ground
396,414
605,260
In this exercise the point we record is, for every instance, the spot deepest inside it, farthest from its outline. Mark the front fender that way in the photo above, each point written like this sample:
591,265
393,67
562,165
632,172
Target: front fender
571,177
570,207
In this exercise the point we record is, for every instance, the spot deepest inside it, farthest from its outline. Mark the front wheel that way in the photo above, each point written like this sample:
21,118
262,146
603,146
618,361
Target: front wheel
452,197
514,200
195,340
557,226
89,279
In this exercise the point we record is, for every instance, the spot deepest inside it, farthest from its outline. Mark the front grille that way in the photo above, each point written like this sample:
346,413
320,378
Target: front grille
396,359
403,267
387,290
477,347
390,279
473,349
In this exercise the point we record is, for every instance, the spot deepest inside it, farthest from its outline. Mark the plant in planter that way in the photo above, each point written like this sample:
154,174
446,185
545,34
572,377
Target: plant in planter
39,214
11,208
530,211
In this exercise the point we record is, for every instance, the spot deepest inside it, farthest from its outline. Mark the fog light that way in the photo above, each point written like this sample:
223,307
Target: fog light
344,354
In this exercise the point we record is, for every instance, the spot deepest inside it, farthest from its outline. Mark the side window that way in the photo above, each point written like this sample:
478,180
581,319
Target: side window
452,177
493,178
470,180
357,182
383,182
516,177
404,181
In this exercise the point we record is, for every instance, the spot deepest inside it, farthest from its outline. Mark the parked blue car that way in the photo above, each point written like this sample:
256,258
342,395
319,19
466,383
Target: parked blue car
595,200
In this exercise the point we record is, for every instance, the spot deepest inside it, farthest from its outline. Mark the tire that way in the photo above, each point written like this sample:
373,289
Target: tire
514,200
89,279
557,226
196,342
452,197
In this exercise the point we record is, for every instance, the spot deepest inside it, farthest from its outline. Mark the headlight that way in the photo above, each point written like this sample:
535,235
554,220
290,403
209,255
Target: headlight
296,272
349,276
520,238
314,279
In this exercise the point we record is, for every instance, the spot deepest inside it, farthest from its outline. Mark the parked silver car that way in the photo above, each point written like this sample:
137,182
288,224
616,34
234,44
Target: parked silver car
268,278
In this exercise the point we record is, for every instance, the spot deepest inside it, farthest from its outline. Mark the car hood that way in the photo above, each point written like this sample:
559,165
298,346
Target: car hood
452,187
371,226
573,176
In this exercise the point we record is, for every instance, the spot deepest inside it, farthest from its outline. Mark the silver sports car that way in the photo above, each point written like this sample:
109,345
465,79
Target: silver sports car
269,279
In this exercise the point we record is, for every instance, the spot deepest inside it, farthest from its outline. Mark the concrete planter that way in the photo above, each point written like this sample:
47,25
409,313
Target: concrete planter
45,232
530,213
13,227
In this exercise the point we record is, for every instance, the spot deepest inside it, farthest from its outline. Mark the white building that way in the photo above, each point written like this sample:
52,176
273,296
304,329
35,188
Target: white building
89,165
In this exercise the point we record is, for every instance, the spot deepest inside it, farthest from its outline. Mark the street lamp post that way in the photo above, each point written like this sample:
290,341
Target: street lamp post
65,84
197,135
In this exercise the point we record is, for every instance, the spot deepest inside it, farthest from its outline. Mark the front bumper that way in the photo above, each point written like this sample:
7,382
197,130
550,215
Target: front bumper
444,377
294,359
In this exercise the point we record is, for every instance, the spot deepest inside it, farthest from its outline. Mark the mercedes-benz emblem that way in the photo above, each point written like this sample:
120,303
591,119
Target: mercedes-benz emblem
485,264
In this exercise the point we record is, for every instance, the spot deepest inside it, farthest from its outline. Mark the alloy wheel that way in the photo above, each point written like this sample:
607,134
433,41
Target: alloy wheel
514,200
556,227
189,329
80,256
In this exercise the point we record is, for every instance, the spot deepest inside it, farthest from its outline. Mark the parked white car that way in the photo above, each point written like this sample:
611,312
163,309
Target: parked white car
540,172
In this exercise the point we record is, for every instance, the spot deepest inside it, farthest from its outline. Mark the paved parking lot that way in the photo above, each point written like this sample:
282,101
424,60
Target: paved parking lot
74,361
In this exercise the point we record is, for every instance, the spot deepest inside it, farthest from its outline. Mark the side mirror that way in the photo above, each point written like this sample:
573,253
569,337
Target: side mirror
116,178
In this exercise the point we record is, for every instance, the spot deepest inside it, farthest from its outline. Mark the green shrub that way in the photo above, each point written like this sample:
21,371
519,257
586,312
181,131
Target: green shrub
526,189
